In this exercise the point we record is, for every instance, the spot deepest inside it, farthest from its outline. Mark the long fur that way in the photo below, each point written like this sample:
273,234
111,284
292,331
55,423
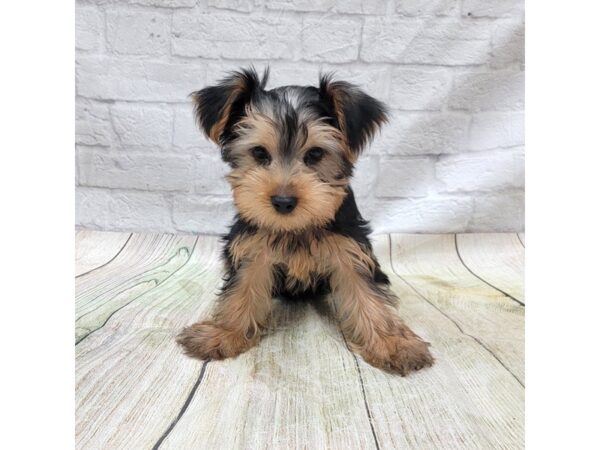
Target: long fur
299,143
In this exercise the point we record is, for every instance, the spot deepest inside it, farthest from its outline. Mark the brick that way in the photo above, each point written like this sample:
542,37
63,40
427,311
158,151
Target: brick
299,5
137,32
341,6
156,3
143,171
164,3
502,212
366,172
451,159
492,8
496,129
373,80
508,44
481,91
186,134
422,133
209,172
122,210
92,123
430,8
445,214
89,28
284,74
361,6
330,40
218,35
142,126
413,89
235,5
202,214
404,177
480,172
124,79
447,42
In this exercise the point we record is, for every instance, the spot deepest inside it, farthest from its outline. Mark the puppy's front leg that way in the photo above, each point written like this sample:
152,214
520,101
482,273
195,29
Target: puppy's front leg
367,317
242,311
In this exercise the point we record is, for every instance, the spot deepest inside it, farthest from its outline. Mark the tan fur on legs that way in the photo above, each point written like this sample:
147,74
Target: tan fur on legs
242,311
367,318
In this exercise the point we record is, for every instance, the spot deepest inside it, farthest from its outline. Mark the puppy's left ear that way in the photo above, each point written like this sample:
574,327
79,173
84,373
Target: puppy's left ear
358,115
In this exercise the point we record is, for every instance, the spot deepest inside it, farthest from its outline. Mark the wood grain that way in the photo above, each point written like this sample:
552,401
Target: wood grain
131,379
298,389
147,261
301,387
93,249
497,258
430,265
466,400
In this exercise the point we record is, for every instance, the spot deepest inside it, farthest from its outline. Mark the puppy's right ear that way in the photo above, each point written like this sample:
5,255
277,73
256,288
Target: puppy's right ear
218,108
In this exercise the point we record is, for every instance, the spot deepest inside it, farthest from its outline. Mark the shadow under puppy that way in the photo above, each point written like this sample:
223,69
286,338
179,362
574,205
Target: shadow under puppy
298,231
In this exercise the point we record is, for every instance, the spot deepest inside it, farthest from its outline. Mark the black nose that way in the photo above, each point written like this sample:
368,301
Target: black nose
284,205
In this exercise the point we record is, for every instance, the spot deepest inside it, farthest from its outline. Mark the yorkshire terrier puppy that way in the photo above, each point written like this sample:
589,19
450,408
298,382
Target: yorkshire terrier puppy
298,231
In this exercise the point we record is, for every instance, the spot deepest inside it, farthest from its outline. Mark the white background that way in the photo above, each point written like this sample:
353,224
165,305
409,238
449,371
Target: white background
451,158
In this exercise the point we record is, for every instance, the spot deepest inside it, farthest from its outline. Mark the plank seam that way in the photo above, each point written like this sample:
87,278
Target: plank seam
477,276
364,395
149,269
109,261
142,294
451,319
519,238
183,409
360,380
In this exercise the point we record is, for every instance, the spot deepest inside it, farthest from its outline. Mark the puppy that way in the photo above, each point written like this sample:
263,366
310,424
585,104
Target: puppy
298,231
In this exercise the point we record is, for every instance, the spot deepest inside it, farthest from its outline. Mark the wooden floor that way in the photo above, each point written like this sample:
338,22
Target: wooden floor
300,388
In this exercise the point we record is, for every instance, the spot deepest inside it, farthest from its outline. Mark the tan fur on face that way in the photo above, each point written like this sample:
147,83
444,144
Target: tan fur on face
319,189
255,129
317,201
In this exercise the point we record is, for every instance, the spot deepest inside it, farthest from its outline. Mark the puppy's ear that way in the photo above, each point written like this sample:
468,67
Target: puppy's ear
357,114
218,108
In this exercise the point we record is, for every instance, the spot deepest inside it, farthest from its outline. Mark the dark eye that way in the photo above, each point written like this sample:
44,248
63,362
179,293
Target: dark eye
261,155
313,156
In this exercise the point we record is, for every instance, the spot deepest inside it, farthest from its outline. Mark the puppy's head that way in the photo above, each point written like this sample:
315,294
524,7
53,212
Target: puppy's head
291,149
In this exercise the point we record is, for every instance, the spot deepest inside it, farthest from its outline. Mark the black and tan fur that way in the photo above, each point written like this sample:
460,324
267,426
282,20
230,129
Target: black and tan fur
298,231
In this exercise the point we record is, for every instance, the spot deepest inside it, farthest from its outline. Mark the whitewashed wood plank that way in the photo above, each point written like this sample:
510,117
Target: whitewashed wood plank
93,249
131,378
497,258
466,400
283,393
430,264
147,261
298,389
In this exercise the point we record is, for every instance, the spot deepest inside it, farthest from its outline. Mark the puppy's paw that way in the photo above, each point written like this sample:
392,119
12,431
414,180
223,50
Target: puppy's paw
208,340
402,353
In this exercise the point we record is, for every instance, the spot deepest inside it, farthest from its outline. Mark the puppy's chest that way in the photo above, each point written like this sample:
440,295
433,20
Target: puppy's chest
302,259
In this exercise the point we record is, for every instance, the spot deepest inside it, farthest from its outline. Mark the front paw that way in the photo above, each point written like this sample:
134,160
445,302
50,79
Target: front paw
400,353
208,340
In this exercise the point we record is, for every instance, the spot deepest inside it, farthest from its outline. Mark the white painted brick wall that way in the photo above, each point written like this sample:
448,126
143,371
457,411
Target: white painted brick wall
450,160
